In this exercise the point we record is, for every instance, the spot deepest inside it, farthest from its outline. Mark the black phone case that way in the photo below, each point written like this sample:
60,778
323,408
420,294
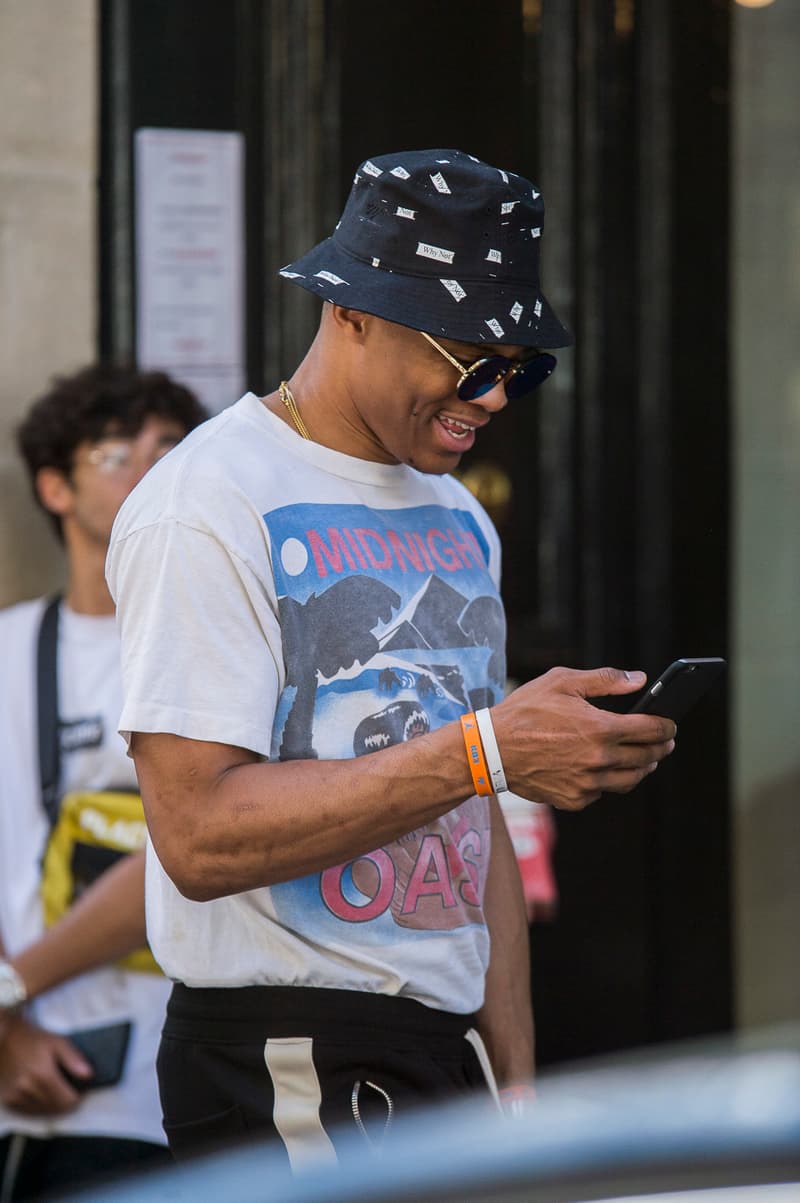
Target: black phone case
679,687
105,1049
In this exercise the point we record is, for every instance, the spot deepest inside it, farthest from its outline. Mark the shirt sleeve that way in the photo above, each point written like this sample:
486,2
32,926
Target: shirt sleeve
200,638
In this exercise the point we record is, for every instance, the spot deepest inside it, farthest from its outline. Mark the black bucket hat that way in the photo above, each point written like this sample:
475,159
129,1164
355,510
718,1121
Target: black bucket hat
441,242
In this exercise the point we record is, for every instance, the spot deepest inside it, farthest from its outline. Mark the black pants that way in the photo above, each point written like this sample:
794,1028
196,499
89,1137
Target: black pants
294,1063
32,1167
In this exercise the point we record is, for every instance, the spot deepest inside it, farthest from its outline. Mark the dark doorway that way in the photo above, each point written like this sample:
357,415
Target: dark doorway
611,488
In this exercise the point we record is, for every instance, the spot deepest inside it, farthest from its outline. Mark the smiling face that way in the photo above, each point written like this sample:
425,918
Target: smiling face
405,408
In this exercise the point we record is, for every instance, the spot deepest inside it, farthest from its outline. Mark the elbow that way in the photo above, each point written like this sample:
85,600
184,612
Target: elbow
195,890
196,882
204,864
193,871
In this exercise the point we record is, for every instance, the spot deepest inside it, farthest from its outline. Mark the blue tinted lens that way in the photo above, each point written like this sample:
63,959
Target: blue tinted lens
482,377
530,375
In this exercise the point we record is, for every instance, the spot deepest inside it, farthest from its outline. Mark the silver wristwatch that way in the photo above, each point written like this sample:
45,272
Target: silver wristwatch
12,988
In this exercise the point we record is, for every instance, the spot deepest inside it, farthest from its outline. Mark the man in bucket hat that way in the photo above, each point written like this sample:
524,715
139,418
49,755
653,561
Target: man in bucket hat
313,654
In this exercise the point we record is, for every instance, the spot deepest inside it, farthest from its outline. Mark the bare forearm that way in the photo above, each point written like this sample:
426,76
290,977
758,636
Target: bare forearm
234,827
506,1019
106,923
223,822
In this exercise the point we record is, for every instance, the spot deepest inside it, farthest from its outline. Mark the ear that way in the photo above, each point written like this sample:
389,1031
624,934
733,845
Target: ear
353,323
54,490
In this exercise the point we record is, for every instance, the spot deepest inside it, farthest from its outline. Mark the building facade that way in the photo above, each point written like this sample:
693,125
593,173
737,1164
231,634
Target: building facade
648,501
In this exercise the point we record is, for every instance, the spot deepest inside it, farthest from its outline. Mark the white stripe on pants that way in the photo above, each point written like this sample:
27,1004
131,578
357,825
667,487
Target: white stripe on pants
290,1063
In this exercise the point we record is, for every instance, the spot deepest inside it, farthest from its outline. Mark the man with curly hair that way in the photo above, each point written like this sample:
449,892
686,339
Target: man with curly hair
85,443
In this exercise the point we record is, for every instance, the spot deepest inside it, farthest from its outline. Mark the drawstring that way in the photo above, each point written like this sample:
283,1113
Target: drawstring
357,1112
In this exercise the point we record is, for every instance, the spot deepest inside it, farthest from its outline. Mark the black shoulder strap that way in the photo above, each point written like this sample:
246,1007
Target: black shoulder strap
47,708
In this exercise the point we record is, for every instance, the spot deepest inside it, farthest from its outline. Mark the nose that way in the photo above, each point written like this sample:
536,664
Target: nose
495,400
139,468
141,464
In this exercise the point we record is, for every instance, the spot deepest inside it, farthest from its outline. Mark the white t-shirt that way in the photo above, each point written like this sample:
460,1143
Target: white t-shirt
276,595
93,757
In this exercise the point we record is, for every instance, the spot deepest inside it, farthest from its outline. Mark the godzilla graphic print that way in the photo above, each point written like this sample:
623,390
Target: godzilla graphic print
391,626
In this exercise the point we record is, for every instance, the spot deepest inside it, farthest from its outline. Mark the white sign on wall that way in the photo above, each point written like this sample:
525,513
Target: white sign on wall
190,259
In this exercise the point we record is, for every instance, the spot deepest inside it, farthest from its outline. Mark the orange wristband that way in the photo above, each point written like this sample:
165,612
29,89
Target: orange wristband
475,756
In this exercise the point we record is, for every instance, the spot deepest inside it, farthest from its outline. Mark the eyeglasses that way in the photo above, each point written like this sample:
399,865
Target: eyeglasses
110,458
520,376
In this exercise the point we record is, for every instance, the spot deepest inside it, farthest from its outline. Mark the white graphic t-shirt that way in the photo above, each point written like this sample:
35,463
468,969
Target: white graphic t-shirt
331,628
92,757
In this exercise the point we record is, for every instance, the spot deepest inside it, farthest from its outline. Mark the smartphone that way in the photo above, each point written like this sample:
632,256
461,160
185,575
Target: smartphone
105,1049
679,687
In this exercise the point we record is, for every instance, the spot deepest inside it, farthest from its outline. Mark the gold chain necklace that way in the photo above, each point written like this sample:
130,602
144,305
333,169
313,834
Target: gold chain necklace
287,397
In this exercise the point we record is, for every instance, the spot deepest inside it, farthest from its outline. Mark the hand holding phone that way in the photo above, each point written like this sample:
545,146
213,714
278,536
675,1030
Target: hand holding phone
105,1049
679,687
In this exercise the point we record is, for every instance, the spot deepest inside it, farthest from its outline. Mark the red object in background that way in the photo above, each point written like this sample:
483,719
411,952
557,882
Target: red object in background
533,834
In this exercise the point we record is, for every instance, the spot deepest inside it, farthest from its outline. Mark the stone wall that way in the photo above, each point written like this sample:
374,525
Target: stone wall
765,661
48,172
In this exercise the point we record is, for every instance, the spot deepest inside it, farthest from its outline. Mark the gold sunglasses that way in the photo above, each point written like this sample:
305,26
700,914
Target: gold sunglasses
520,376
